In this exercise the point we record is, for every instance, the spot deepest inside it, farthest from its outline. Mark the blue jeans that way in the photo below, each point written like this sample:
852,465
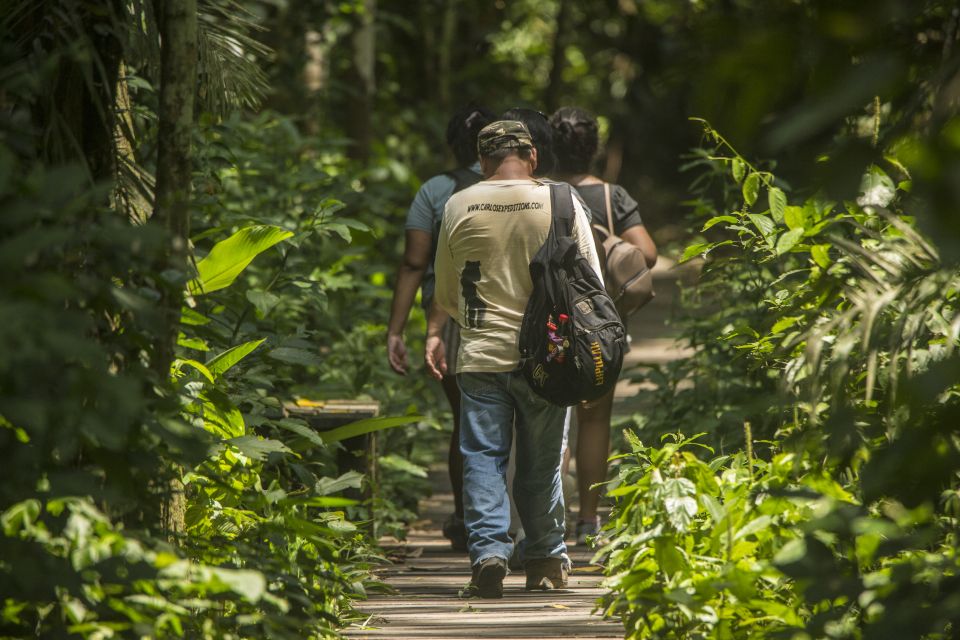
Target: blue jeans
492,405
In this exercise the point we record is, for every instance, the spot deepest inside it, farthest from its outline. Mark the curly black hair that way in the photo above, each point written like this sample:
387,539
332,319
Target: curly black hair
542,135
462,130
576,138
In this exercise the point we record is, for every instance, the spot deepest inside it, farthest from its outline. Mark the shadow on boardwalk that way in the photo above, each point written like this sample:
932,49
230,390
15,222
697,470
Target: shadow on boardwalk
427,575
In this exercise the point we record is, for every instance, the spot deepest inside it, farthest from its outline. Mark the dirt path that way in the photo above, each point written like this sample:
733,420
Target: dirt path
427,575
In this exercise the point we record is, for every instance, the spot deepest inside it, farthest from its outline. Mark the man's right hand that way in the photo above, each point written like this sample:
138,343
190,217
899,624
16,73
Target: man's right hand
435,355
397,353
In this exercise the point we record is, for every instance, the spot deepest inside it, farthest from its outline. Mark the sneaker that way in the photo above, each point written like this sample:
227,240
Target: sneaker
455,530
544,574
487,579
587,531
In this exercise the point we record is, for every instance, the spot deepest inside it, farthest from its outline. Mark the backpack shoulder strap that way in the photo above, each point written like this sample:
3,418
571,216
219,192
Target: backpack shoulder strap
606,202
463,178
561,205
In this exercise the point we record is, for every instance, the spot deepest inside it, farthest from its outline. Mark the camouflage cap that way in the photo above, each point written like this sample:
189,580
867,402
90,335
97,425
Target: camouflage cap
503,134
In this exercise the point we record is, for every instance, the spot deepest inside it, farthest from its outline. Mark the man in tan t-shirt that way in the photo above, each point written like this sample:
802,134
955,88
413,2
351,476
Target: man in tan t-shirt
490,233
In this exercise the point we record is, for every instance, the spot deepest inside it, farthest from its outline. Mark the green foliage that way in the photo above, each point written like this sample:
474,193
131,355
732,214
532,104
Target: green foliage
692,545
220,267
830,327
103,449
317,297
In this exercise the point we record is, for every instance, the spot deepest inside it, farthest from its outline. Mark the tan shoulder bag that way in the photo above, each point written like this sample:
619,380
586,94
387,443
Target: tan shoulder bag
628,280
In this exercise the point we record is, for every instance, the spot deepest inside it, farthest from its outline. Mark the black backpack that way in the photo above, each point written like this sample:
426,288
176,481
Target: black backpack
572,339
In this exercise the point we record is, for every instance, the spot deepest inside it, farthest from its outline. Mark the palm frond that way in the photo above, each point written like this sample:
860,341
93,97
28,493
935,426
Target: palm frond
896,304
230,75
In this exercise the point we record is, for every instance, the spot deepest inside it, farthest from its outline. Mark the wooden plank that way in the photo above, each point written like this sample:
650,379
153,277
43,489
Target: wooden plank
427,576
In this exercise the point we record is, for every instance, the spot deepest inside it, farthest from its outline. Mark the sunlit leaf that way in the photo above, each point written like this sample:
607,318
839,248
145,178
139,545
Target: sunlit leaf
795,217
738,168
763,223
264,301
197,344
367,426
754,526
293,355
190,317
222,362
821,255
301,429
179,363
784,323
751,188
876,188
403,465
230,257
258,448
717,220
777,200
249,584
695,250
224,421
788,240
349,480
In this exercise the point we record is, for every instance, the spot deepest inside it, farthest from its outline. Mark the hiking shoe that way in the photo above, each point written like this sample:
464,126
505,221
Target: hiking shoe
587,531
544,574
455,530
487,579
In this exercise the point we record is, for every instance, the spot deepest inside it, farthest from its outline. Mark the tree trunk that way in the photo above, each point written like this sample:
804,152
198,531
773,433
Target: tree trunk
76,120
445,53
555,83
178,80
360,107
428,48
133,190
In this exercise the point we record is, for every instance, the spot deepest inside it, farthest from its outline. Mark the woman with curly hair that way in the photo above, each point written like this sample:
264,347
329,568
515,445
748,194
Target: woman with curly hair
575,143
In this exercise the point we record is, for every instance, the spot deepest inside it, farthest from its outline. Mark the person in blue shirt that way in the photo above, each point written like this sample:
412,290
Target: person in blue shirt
416,271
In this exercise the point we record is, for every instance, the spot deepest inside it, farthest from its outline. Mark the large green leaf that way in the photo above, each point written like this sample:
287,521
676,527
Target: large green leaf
738,168
300,428
249,584
717,220
821,255
777,200
789,240
366,426
876,188
230,257
223,361
763,224
349,480
402,465
258,448
751,188
293,355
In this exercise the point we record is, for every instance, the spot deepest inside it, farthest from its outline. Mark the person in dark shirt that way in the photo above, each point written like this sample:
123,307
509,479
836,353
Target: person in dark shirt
575,142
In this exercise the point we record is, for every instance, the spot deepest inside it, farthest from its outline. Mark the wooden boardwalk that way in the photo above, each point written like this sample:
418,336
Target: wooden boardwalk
427,575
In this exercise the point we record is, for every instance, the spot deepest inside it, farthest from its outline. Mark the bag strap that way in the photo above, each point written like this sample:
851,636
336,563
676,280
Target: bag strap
606,198
463,177
561,205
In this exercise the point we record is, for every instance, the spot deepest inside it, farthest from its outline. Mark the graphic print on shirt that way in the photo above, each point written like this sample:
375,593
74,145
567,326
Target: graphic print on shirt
474,306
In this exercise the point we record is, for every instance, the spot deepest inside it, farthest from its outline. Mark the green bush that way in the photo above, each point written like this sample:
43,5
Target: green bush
831,328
